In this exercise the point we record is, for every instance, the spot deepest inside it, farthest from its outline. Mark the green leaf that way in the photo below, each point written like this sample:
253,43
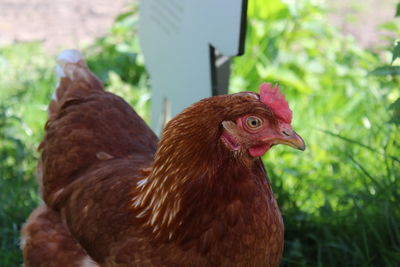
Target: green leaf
386,70
396,112
125,15
397,10
396,51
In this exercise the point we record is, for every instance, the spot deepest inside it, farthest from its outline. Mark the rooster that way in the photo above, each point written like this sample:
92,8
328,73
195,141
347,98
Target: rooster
116,196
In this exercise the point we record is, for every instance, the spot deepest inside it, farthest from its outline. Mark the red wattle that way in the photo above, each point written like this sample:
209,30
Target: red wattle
258,151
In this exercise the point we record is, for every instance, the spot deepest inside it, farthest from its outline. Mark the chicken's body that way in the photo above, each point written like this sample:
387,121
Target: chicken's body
189,202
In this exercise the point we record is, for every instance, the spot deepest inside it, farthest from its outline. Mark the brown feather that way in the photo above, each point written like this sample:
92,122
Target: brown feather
46,242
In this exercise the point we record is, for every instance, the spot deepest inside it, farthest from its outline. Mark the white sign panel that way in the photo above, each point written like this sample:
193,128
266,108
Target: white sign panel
177,37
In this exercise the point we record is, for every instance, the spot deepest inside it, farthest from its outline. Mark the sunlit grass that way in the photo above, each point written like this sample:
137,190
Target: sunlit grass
339,198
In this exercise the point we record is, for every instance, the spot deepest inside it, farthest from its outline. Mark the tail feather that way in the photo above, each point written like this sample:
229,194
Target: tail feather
73,75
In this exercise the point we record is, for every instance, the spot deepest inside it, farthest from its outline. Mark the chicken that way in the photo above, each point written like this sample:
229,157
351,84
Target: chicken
47,243
116,196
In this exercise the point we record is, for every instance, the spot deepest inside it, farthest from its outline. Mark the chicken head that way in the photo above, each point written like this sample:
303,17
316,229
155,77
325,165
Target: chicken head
255,133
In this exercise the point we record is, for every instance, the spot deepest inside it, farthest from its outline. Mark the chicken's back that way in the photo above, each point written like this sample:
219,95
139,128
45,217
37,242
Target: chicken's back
87,126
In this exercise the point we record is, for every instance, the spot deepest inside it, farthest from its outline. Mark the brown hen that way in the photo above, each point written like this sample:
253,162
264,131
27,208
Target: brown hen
116,196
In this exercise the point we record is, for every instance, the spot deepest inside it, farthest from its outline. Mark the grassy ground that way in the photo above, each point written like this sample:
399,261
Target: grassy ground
339,198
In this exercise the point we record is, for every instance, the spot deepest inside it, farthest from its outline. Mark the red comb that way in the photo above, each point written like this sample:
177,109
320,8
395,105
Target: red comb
271,97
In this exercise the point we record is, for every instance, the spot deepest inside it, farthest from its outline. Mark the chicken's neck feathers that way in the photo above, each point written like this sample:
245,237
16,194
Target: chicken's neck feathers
169,196
193,173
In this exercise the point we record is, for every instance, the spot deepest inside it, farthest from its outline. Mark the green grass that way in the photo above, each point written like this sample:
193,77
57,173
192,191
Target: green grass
340,198
26,83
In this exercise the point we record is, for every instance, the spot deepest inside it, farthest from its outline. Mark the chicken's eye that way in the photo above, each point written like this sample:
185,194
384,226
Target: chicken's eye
253,122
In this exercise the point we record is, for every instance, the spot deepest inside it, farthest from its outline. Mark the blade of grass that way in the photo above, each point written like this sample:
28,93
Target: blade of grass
349,140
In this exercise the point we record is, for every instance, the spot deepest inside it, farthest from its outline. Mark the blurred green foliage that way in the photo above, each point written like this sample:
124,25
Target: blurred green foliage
27,79
339,198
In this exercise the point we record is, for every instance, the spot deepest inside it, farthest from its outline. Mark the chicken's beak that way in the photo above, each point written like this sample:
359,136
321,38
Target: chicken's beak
294,140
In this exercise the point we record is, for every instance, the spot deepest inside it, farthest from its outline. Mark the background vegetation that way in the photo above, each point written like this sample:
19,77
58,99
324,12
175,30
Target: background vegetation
340,198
